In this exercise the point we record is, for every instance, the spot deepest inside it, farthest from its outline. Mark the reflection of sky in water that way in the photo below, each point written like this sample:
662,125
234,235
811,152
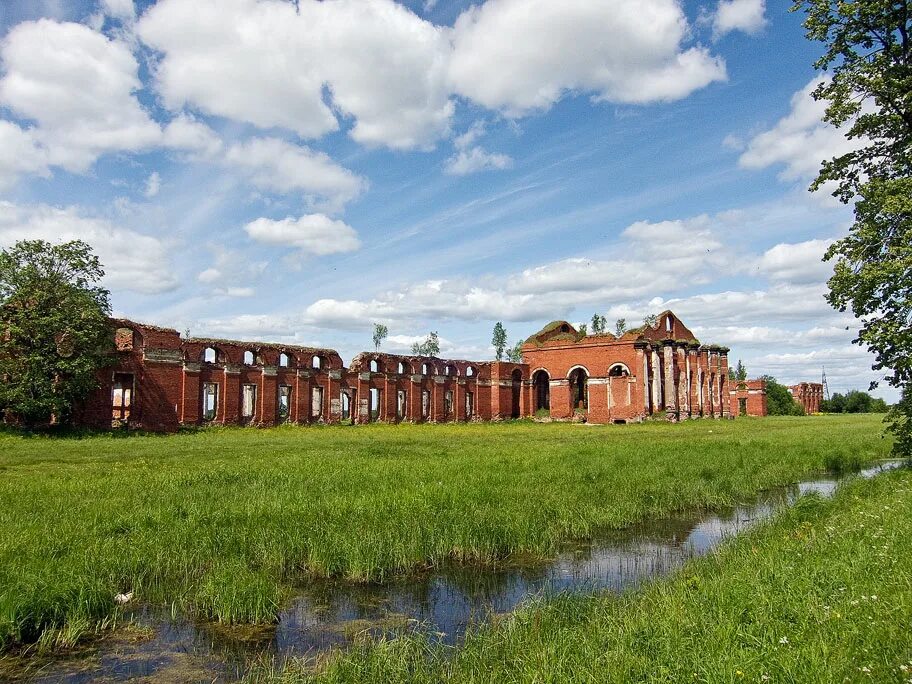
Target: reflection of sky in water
444,603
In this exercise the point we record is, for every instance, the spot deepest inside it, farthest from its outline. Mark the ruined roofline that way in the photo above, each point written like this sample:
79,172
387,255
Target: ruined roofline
367,356
256,346
130,323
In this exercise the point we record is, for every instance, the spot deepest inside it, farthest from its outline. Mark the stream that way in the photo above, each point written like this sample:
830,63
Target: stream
444,602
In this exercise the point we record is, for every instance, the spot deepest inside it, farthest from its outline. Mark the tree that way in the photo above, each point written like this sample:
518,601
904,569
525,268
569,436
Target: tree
599,323
779,402
620,327
430,346
651,321
583,330
380,333
514,353
868,51
740,372
55,334
499,340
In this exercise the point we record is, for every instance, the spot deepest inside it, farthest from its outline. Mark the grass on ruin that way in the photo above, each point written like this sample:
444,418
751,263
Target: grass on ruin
219,523
822,593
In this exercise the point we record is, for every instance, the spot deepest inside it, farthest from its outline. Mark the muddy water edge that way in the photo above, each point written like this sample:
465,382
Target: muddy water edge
157,646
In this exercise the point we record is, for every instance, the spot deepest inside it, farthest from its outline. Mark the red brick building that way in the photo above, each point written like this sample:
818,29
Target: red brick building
748,398
808,394
160,381
661,370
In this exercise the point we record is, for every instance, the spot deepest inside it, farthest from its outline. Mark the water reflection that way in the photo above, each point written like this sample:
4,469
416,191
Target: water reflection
443,603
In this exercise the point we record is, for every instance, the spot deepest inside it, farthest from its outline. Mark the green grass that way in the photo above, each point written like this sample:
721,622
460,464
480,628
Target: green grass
221,522
823,593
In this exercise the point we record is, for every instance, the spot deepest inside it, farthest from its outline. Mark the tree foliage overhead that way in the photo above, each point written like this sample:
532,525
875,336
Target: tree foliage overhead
380,333
499,340
779,401
868,54
54,329
430,346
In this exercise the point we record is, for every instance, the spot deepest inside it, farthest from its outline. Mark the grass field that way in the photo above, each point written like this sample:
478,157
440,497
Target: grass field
220,522
822,593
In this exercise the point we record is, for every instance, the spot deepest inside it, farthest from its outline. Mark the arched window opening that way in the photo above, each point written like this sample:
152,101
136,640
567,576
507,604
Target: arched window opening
210,355
669,324
403,368
565,328
427,369
579,389
316,362
541,386
248,358
449,370
470,371
374,366
618,370
284,360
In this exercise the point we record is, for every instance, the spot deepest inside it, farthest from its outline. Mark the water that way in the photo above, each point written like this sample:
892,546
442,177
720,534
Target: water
442,603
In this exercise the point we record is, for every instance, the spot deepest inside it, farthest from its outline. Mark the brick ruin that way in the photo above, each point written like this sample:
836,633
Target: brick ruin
160,381
748,397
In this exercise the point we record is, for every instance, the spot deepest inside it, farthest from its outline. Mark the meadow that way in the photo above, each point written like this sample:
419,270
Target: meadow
220,523
821,593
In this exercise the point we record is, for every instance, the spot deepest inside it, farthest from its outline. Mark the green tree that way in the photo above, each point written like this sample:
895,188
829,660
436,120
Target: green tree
583,330
430,346
599,323
514,353
55,334
380,333
779,401
499,340
620,327
651,321
868,52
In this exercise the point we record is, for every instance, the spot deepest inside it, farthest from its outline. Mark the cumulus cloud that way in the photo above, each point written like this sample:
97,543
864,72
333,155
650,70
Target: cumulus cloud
374,61
20,153
476,159
796,262
277,165
799,141
132,261
119,9
153,184
739,15
313,233
621,51
78,87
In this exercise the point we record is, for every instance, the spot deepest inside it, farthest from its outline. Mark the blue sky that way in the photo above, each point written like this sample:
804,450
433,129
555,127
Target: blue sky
260,169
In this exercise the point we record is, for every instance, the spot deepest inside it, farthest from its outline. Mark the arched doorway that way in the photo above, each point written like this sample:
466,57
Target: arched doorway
579,389
516,376
541,388
618,386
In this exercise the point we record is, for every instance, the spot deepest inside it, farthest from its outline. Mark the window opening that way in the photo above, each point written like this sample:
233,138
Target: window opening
284,402
210,400
121,397
248,401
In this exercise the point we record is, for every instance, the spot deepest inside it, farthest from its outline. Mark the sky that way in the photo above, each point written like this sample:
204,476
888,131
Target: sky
298,171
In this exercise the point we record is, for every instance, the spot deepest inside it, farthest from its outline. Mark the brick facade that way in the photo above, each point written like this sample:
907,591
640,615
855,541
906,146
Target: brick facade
808,394
661,370
748,398
160,381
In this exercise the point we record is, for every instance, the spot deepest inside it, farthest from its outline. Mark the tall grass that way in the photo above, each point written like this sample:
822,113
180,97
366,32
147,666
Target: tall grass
823,593
221,522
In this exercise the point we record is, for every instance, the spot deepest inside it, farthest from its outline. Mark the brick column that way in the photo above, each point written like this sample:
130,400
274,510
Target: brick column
269,395
230,399
191,394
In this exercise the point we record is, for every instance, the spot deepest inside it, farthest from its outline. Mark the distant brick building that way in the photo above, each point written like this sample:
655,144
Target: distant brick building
661,370
748,397
160,381
808,394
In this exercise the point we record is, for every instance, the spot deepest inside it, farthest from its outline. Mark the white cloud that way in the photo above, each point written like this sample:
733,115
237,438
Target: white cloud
20,153
153,184
237,292
78,87
279,166
186,133
119,9
476,159
800,141
313,233
522,55
739,15
131,260
210,275
372,60
796,262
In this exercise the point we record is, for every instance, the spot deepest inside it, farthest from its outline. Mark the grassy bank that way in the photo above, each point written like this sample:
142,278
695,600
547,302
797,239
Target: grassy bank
218,522
821,594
